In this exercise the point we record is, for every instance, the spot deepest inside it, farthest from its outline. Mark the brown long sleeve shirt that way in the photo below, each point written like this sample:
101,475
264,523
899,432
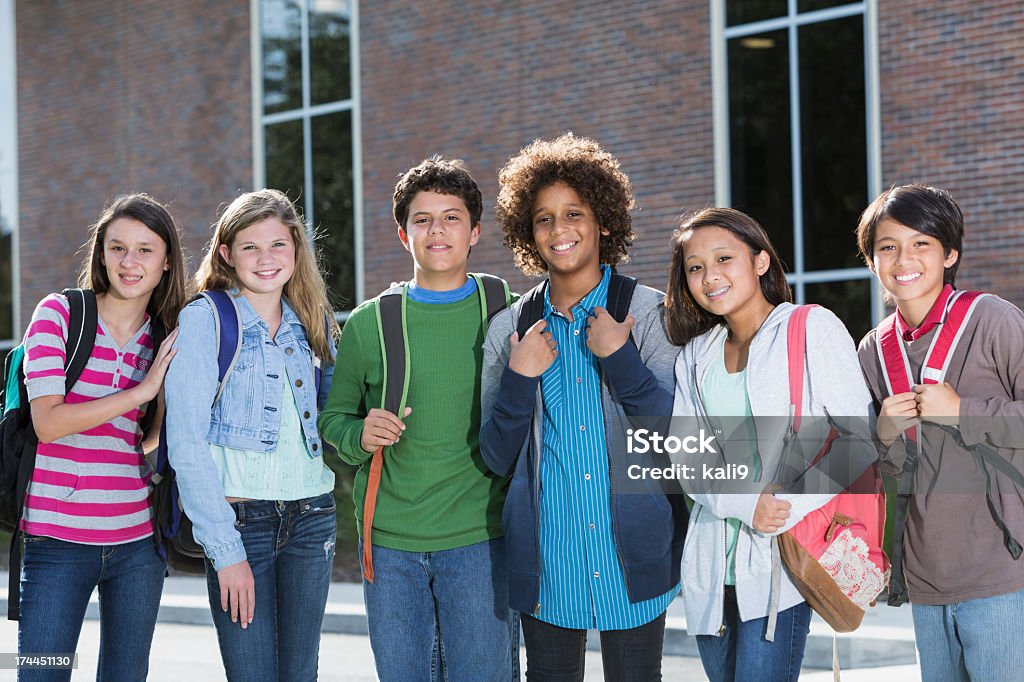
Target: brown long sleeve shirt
954,550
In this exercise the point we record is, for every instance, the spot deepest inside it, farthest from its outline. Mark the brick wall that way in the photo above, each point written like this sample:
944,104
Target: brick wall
952,98
116,97
480,84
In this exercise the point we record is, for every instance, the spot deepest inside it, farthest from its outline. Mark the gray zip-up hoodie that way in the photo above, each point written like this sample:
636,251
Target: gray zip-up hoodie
833,386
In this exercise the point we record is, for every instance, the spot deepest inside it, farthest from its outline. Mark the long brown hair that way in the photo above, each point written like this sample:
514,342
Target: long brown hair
306,290
167,299
684,318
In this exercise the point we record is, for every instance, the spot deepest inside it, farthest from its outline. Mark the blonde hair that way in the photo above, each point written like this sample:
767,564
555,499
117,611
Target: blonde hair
306,290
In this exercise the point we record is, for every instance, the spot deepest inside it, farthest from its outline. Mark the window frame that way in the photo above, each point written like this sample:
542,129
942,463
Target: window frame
791,22
9,168
306,113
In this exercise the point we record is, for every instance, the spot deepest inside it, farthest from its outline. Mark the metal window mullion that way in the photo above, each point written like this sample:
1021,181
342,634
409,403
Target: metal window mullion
355,121
872,85
318,110
795,147
720,104
794,17
259,151
307,127
821,276
15,223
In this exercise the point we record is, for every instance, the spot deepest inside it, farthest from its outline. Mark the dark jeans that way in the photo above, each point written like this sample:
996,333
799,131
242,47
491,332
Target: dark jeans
57,580
290,549
555,654
742,654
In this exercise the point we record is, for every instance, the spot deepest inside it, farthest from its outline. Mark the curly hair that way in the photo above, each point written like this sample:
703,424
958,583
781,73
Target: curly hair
441,175
580,163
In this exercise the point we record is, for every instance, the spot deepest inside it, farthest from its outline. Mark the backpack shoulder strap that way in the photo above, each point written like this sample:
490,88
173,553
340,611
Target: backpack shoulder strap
620,295
494,294
796,351
532,308
81,333
228,325
394,347
892,357
958,311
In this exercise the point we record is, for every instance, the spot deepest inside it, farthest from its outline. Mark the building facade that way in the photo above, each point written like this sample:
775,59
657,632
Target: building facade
796,111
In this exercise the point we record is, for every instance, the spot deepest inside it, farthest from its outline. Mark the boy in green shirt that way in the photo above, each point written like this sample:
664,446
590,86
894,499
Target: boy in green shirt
434,567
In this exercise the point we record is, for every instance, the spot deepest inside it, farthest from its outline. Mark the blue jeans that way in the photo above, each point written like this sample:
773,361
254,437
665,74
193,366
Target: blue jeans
557,654
290,549
442,615
971,640
57,580
742,654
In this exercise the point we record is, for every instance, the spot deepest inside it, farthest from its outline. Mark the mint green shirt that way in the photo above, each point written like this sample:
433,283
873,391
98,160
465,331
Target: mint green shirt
287,472
728,407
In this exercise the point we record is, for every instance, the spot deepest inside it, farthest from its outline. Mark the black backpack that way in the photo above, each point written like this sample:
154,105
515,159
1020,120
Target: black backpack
18,440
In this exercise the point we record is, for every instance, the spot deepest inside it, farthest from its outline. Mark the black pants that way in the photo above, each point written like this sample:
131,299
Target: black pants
555,654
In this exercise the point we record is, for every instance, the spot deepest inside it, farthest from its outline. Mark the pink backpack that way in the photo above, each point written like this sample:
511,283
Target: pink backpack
834,554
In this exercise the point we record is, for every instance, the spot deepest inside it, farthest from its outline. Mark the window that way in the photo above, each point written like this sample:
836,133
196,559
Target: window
9,323
796,138
306,121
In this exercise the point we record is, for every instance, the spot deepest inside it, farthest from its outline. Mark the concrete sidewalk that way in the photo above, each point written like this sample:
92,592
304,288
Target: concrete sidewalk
883,646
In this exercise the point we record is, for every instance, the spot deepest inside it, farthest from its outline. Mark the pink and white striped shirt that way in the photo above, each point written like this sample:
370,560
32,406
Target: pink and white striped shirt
91,487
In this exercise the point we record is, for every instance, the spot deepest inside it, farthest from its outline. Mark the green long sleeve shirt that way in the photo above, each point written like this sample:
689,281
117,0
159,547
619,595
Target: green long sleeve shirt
436,493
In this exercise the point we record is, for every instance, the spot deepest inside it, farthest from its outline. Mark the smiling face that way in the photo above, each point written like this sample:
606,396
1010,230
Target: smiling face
910,266
439,233
565,231
135,258
722,274
263,257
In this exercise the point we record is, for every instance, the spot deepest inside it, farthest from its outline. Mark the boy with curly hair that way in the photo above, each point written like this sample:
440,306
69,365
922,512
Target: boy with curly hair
579,555
434,568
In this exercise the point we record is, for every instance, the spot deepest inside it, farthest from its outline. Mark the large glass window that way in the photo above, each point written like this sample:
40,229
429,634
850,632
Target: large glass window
9,324
793,99
306,118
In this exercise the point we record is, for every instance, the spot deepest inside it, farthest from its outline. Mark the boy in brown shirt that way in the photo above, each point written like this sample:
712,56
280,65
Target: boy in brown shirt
961,561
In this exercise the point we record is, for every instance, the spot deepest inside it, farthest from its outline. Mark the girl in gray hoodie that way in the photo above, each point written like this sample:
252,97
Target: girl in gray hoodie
729,304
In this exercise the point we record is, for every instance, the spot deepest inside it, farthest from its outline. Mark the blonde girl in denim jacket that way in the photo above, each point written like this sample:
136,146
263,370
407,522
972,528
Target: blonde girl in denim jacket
250,464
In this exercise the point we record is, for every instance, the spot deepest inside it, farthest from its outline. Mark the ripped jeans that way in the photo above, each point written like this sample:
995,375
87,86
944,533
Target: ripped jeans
290,549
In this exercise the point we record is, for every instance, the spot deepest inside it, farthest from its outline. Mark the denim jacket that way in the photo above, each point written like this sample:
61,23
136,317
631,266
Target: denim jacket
247,416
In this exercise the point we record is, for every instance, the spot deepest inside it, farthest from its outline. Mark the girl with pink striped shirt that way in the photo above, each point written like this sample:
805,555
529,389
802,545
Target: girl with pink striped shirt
87,519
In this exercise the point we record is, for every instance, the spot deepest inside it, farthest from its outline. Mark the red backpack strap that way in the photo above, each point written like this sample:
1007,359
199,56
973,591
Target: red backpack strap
796,346
958,311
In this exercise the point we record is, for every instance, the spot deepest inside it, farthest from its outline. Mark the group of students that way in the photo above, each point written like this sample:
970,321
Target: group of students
486,489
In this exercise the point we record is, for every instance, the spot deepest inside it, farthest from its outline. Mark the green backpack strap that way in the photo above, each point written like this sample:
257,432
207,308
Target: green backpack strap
394,347
394,344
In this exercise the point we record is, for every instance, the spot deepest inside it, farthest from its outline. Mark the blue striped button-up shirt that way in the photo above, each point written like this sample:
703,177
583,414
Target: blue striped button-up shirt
582,583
